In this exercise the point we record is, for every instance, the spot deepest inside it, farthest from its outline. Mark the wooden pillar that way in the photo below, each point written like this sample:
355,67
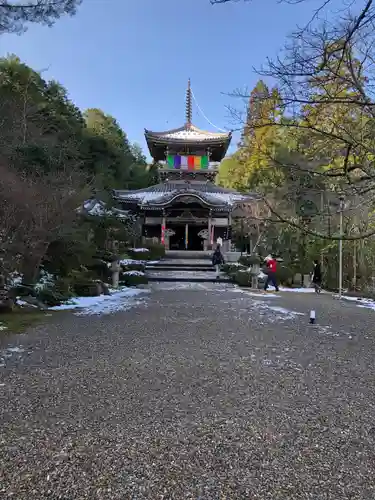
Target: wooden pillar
209,241
163,228
229,231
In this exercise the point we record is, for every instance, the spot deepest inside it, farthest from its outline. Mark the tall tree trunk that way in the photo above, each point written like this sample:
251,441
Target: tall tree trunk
354,280
31,262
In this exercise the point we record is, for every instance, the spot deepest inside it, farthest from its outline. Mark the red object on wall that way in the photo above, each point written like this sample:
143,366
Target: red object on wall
163,235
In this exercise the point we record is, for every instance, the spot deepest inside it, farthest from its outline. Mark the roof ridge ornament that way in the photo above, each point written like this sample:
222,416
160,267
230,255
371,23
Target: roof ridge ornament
188,106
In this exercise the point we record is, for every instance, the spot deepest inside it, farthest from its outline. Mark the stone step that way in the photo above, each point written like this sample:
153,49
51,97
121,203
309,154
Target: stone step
182,273
183,262
189,254
193,279
173,267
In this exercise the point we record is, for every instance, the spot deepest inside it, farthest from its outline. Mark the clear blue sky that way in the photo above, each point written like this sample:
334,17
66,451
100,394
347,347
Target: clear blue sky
132,58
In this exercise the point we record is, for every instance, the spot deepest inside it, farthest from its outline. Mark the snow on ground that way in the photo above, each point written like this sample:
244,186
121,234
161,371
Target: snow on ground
251,293
294,290
21,303
129,262
9,353
143,250
120,300
3,327
186,285
270,313
134,273
15,278
361,301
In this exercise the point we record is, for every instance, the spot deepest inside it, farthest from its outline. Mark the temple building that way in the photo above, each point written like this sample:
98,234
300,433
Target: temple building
186,211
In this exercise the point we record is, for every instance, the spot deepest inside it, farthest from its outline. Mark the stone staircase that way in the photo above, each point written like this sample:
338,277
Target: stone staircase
184,268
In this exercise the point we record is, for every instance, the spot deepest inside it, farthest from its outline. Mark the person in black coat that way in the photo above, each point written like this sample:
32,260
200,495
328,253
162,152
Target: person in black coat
217,260
317,274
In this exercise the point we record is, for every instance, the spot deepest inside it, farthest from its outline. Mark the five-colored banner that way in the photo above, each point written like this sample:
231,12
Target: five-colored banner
187,162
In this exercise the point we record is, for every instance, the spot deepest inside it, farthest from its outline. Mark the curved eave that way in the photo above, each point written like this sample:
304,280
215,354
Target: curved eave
218,148
205,135
206,141
170,198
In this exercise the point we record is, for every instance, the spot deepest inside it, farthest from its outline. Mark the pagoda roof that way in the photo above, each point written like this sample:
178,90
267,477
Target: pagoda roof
188,137
189,133
165,193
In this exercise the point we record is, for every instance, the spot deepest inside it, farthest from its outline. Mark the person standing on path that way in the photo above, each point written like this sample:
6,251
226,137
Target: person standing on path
317,276
271,264
217,260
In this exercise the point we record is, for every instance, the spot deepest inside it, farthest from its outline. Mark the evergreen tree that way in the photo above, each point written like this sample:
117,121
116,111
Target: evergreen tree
15,16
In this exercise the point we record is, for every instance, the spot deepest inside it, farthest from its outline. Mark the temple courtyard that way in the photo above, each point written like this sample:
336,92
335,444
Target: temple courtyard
192,391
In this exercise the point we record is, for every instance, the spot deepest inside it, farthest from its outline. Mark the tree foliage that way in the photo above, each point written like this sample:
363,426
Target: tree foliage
321,149
52,158
15,16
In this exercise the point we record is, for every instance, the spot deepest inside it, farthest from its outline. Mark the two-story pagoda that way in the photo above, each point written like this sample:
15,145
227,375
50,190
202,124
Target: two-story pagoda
187,211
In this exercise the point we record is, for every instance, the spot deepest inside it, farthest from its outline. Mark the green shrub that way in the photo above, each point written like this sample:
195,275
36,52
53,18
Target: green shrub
106,255
51,297
134,266
155,252
22,291
231,269
64,286
249,260
99,268
243,278
133,278
284,275
137,255
87,288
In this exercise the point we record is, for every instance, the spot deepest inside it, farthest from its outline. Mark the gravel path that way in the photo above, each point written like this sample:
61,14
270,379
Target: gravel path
201,392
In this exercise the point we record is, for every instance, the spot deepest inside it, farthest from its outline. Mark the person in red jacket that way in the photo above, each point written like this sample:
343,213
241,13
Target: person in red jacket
271,263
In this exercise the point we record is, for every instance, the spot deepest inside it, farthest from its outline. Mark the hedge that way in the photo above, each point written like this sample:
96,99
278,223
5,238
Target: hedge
133,278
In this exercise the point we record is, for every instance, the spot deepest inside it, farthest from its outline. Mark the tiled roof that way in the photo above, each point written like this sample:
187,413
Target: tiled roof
162,193
98,208
188,133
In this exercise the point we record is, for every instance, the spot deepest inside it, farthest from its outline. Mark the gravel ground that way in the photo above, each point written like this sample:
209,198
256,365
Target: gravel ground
201,393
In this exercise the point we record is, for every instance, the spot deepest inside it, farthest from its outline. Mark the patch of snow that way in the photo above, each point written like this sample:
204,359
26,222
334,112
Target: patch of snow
285,312
185,285
3,327
96,209
46,280
21,302
120,300
361,301
270,313
254,294
295,290
144,250
15,278
262,275
16,349
129,262
134,273
9,352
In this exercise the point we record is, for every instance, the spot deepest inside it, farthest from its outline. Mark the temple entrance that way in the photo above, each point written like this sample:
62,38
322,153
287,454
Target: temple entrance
186,237
195,242
177,240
